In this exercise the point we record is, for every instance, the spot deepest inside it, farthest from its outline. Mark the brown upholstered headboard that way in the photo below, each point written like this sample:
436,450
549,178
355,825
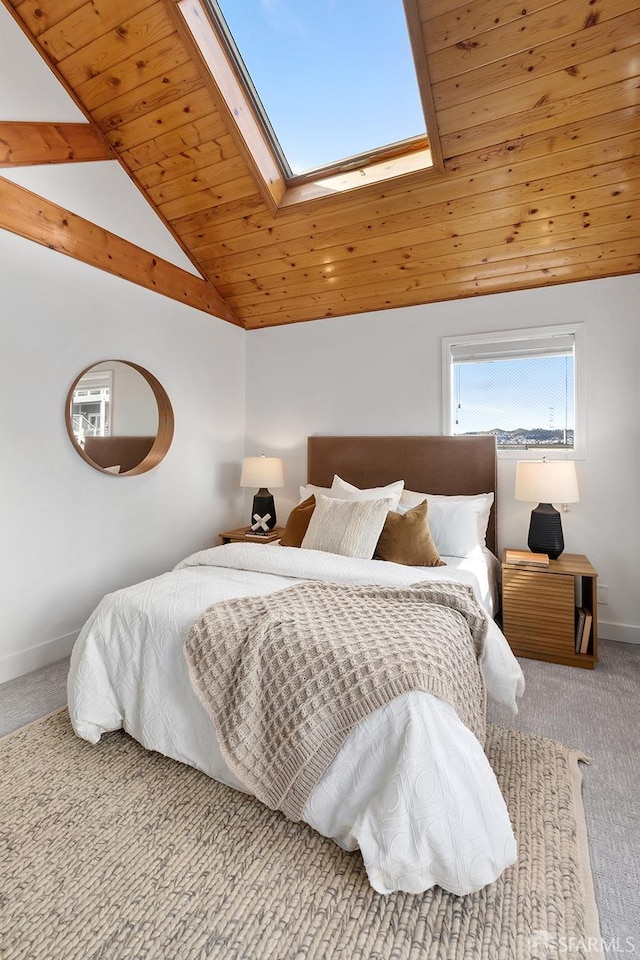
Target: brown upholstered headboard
443,465
126,452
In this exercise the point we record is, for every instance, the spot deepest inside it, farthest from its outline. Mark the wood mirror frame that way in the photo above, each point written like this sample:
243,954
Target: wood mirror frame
164,431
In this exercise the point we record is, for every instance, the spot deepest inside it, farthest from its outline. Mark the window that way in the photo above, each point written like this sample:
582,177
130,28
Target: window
321,97
526,387
312,68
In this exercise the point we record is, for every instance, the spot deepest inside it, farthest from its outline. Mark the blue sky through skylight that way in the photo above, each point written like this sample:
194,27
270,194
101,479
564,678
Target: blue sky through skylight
336,77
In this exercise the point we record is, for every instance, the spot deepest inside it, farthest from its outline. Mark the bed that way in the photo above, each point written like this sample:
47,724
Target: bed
410,786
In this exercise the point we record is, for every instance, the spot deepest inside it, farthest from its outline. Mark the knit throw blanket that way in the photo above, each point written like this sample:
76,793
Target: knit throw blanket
286,677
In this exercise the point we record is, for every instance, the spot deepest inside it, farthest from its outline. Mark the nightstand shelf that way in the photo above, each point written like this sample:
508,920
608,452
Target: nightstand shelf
240,536
539,609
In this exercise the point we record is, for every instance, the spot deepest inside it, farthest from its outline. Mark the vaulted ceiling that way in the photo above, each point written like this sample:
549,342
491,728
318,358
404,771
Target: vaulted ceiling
535,115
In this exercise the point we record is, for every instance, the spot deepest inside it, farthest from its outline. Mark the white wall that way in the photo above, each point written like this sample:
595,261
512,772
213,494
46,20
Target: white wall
69,533
380,373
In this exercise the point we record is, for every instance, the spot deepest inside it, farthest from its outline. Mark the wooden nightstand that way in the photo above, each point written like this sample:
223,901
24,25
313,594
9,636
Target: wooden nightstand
539,609
240,536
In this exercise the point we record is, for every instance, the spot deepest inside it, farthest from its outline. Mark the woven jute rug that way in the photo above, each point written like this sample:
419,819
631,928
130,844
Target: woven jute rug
112,852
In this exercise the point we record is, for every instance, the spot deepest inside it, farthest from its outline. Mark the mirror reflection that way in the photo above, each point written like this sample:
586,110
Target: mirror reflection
119,417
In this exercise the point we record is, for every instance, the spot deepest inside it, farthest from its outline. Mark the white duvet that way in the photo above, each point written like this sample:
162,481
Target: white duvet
411,786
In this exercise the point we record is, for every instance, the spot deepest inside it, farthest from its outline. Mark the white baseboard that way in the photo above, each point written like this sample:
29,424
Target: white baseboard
624,632
17,664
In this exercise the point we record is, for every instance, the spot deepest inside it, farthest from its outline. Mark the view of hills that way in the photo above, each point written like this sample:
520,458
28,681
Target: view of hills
533,437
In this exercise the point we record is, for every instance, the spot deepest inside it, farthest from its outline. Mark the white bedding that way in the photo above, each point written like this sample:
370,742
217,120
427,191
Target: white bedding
411,786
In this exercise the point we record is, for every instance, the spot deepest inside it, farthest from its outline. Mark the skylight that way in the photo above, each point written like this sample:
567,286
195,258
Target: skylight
332,80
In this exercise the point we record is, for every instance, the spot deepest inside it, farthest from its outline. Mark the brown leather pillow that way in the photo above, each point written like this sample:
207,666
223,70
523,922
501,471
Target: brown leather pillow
297,523
406,538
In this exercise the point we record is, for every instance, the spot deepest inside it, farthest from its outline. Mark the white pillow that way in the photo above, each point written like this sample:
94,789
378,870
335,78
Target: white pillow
346,491
409,499
458,524
306,491
350,528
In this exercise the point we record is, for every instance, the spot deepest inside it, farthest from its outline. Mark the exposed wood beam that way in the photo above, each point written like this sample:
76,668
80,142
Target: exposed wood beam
28,215
22,144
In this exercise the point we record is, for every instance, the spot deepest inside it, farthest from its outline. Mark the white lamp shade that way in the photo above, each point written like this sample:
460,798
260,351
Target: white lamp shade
262,472
542,481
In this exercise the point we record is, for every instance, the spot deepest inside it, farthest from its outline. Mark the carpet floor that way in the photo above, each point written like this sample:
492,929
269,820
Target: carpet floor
112,852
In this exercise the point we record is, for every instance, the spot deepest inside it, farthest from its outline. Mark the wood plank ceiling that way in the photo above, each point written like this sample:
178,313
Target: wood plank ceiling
537,109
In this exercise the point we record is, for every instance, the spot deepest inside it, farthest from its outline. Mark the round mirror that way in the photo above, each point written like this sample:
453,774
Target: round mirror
119,418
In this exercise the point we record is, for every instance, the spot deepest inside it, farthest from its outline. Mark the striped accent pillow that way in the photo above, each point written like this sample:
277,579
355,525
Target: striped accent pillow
350,528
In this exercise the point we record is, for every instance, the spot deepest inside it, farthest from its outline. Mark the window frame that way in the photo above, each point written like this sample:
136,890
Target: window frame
502,337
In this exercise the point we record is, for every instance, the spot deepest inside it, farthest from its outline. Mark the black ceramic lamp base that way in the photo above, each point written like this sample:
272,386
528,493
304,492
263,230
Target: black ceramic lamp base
545,531
265,508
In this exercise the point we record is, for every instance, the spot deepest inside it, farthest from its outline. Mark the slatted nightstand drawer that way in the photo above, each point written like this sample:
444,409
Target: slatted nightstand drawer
539,609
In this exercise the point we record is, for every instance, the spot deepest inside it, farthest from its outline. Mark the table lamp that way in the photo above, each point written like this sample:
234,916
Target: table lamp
544,481
262,472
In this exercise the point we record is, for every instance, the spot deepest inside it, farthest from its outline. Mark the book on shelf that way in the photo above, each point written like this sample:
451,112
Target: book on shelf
584,620
586,633
526,558
581,614
262,535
